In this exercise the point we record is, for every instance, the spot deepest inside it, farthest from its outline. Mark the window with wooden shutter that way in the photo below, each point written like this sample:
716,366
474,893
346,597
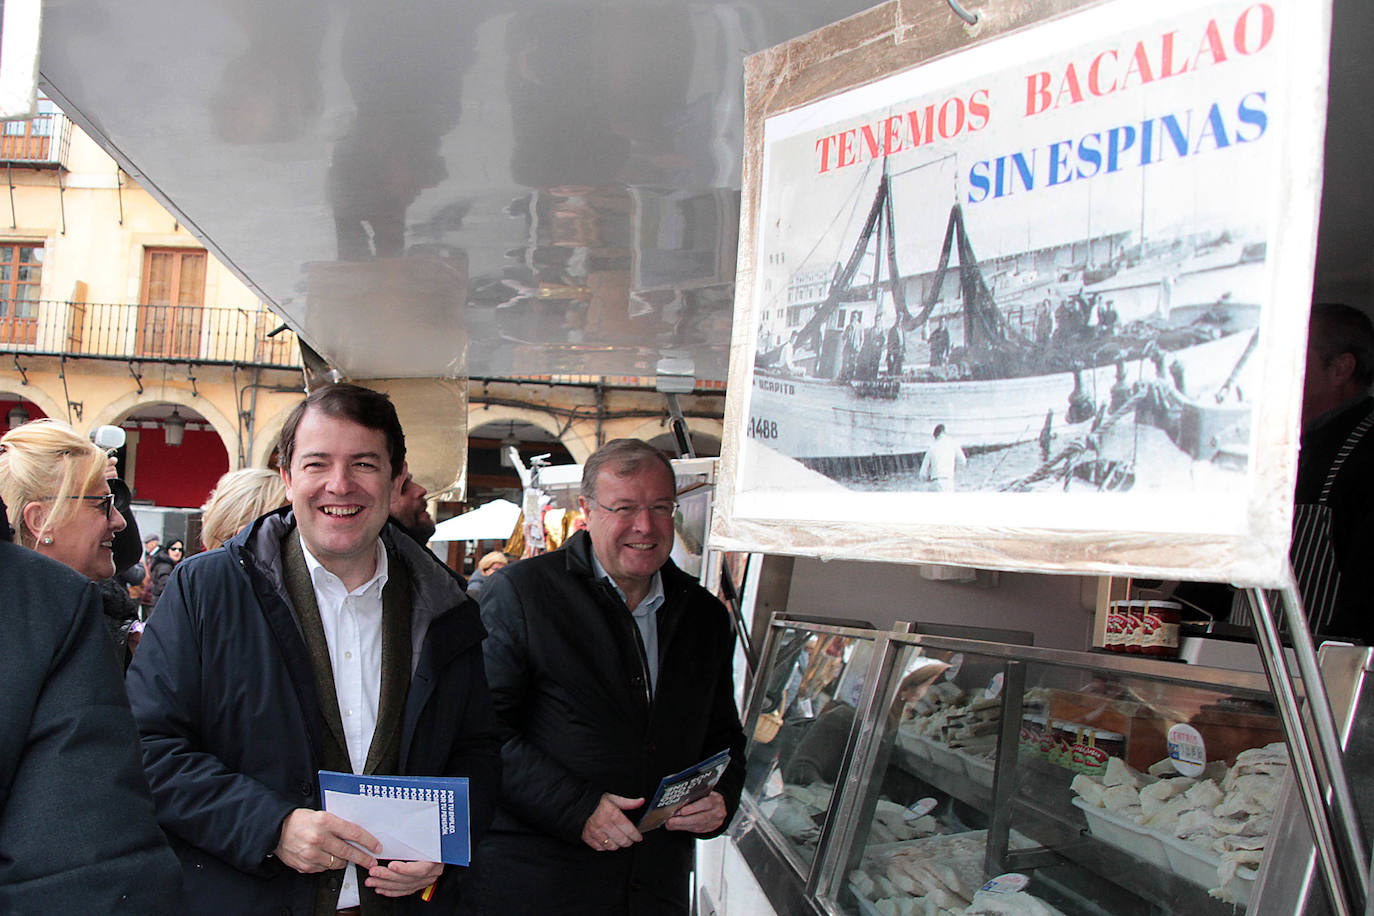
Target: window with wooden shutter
169,318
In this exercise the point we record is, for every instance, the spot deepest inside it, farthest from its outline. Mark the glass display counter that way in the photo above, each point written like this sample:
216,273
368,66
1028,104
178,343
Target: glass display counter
804,733
895,773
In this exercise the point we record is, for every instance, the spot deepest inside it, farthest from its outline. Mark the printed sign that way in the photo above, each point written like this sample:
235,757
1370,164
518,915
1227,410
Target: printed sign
1019,307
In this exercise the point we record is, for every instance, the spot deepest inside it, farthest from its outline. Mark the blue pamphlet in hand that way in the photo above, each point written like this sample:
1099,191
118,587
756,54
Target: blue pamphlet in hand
682,789
415,818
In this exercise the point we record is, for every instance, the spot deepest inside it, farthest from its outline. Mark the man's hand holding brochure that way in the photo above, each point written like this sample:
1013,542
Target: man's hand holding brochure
679,790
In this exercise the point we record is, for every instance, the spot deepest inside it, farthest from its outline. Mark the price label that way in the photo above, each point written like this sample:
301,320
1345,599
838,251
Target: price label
1009,883
956,661
1187,750
994,689
920,808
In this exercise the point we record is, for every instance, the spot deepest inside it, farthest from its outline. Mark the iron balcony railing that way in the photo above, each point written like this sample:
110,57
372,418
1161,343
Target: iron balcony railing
169,333
43,140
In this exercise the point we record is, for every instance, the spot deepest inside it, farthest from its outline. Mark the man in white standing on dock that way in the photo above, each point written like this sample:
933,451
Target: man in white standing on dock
943,460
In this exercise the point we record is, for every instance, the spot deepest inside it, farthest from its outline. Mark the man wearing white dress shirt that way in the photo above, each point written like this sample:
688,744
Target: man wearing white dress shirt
320,638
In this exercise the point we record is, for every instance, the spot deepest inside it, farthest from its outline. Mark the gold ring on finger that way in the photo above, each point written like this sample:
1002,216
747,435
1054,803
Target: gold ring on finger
331,862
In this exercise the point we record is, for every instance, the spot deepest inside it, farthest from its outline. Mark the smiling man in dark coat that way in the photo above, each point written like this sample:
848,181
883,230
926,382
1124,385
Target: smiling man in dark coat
610,668
319,638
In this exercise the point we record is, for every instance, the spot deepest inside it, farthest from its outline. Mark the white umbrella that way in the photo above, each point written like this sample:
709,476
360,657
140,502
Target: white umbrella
495,520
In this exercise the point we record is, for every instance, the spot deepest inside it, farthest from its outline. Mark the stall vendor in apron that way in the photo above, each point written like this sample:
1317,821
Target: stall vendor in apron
1333,521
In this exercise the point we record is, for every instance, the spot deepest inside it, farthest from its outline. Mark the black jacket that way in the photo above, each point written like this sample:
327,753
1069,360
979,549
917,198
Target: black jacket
224,697
77,828
567,677
159,569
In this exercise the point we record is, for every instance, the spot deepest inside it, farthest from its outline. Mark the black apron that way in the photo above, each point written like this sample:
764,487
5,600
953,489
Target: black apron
1312,553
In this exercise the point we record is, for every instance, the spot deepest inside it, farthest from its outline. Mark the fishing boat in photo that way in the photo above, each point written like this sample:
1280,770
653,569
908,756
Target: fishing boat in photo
1169,328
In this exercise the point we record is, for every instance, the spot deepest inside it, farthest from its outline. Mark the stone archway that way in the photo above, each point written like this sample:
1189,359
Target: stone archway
266,436
704,444
657,428
165,472
50,406
120,408
498,415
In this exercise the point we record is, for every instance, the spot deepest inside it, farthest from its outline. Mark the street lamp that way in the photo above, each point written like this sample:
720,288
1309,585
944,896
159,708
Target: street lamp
174,428
506,445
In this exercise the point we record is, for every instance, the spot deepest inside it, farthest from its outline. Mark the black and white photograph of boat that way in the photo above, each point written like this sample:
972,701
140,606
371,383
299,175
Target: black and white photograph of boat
1050,276
1109,362
1038,302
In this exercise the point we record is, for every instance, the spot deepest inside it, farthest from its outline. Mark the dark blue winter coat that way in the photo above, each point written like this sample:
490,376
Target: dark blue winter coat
77,829
224,697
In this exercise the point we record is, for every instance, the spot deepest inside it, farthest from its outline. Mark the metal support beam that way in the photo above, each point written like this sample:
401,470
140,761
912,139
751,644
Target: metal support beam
62,201
1312,745
680,431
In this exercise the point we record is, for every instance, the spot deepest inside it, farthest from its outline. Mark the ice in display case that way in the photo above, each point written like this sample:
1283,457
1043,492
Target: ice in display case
899,773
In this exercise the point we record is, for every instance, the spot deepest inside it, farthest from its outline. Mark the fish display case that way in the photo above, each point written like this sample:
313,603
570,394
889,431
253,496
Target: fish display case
894,773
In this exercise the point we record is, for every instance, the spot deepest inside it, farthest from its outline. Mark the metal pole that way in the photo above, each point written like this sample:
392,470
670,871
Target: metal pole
734,603
1300,751
680,431
1347,822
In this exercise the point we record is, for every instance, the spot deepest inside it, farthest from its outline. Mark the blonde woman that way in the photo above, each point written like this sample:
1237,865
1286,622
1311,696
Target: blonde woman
80,833
238,498
488,566
58,501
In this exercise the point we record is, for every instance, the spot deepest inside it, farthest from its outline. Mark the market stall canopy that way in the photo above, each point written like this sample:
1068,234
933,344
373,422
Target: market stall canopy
494,521
443,187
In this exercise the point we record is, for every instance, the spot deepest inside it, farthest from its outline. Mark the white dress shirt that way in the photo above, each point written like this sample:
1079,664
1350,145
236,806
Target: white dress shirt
353,631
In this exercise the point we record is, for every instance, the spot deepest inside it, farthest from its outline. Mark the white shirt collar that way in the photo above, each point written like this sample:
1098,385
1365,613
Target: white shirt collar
322,578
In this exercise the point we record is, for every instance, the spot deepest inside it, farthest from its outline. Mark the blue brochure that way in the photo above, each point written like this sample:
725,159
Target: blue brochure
683,788
416,818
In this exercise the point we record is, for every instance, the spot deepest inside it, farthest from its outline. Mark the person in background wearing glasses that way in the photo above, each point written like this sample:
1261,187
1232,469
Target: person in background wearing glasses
609,668
78,832
164,561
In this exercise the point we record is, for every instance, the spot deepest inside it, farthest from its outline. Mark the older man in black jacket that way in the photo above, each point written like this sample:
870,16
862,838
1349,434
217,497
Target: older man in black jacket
318,638
610,668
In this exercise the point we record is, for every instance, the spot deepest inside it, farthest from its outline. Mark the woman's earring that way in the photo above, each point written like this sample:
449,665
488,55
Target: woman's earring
48,539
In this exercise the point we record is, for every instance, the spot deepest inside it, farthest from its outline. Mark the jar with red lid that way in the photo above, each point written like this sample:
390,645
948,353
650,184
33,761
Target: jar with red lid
1134,627
1159,628
1094,748
1113,639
